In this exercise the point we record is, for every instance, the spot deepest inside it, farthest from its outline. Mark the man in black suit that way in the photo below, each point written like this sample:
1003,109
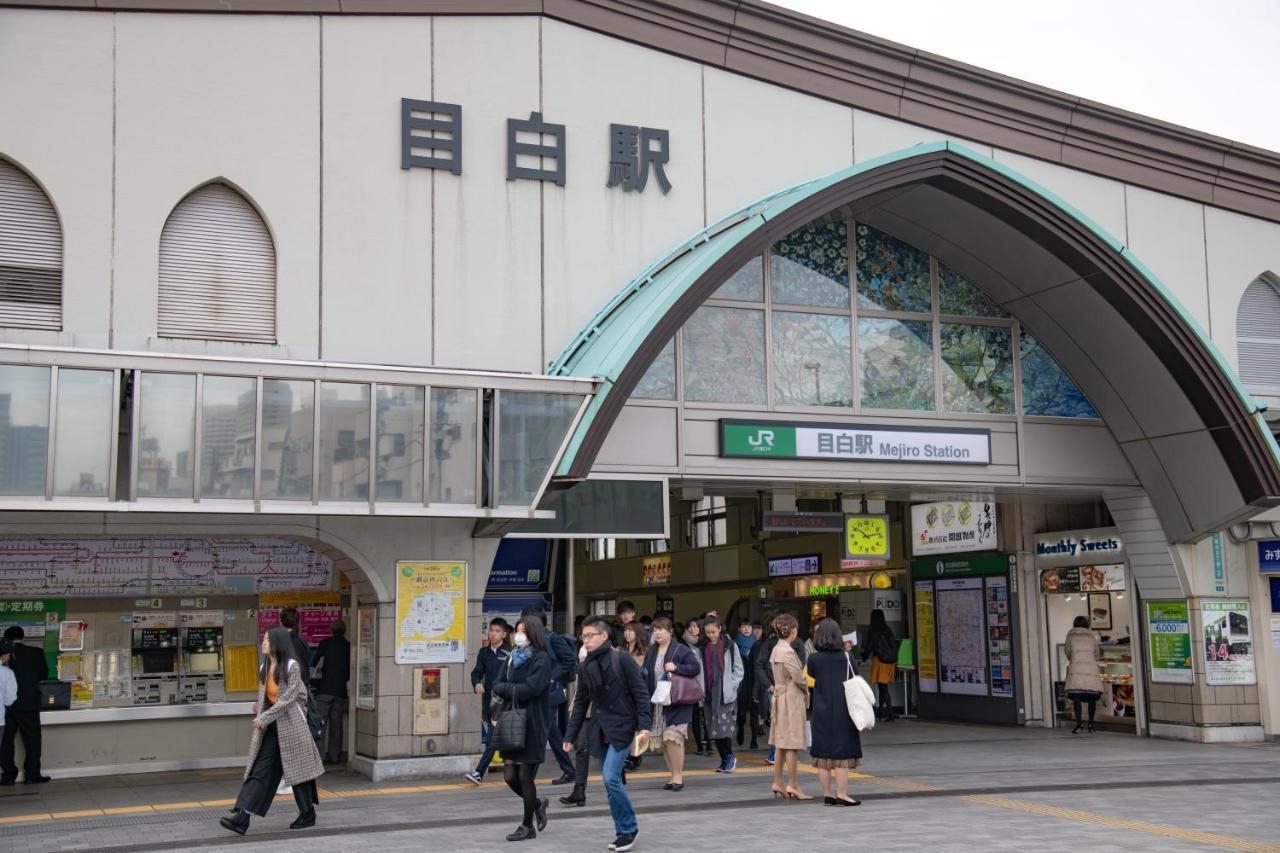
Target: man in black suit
334,659
23,716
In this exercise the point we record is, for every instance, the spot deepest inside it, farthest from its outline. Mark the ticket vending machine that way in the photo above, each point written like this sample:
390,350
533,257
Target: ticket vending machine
154,659
202,676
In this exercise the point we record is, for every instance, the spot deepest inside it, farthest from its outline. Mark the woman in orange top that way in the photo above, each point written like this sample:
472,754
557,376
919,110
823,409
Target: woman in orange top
282,747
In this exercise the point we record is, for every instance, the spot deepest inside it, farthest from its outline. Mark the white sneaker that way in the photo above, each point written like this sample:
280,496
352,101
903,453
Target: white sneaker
623,843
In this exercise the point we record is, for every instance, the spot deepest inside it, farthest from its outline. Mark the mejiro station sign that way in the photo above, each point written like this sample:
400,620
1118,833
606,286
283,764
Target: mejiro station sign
846,442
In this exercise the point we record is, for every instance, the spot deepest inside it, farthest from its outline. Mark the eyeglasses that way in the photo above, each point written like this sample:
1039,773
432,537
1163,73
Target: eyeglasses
586,634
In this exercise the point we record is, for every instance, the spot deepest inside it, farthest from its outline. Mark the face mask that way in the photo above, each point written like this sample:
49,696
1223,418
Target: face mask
582,653
522,640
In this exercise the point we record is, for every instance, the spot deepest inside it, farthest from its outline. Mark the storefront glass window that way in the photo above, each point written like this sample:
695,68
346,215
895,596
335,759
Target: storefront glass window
401,438
82,447
166,436
811,267
962,297
811,364
724,356
453,446
288,409
659,381
344,441
228,420
977,368
531,428
1046,388
896,360
746,285
24,429
892,276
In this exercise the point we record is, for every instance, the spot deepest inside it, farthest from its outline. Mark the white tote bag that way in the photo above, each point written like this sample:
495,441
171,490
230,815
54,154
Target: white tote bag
662,693
860,700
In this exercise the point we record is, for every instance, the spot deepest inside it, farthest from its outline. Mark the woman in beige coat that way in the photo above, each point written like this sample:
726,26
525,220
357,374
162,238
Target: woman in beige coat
282,746
790,700
1084,677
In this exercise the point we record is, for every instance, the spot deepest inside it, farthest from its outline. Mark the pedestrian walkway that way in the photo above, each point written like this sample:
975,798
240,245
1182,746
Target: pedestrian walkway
924,786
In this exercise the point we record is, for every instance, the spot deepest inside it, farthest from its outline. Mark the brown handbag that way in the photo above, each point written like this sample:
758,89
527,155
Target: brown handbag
685,690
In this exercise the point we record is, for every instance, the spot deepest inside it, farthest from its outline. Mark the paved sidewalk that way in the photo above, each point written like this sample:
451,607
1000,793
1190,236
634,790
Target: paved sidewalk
924,786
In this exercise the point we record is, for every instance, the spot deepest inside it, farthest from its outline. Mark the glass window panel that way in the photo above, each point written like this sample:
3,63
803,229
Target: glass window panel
977,372
24,429
166,436
747,284
659,381
1046,388
402,415
288,411
896,360
811,267
892,276
454,433
811,360
531,427
724,356
958,295
344,441
228,420
82,446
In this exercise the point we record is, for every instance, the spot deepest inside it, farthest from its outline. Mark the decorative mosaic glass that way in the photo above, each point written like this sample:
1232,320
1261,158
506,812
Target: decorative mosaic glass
962,297
1046,388
811,267
659,381
811,360
892,276
724,356
746,285
896,362
977,372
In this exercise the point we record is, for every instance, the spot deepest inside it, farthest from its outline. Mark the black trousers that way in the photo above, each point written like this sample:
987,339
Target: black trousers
555,738
582,753
26,723
699,728
259,789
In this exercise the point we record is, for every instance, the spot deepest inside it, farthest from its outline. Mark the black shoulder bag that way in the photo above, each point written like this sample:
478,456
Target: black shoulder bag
509,725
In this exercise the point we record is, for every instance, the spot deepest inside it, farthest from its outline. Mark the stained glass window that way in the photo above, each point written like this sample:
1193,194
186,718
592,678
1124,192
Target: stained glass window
746,285
977,368
892,276
1046,388
659,381
811,360
724,357
958,295
811,267
896,362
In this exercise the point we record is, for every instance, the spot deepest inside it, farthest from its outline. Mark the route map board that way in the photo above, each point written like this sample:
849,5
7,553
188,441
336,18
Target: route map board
128,567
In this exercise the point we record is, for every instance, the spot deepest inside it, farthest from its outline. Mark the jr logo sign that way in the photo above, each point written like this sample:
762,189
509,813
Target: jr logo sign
762,438
755,439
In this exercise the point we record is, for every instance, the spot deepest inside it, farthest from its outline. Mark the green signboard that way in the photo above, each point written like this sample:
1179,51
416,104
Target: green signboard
1169,634
960,567
40,619
853,442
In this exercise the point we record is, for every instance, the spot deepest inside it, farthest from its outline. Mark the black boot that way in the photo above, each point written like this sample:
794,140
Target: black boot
578,797
305,819
237,821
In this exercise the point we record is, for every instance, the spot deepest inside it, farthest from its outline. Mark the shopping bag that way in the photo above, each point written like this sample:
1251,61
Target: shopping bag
662,693
639,744
808,734
685,690
860,700
509,730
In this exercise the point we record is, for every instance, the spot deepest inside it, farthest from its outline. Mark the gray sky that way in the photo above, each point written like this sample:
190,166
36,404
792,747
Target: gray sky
1208,66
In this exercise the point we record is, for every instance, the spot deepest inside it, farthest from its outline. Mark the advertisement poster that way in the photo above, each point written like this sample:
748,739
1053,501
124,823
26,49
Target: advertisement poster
657,570
314,622
271,603
71,637
926,637
953,527
1169,633
241,668
431,612
366,656
1228,643
999,638
962,642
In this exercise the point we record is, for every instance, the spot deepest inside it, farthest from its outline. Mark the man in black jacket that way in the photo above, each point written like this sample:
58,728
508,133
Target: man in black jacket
612,684
484,674
23,716
564,662
334,659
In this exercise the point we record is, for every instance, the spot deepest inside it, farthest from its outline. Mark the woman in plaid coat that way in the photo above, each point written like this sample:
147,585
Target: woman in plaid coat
282,746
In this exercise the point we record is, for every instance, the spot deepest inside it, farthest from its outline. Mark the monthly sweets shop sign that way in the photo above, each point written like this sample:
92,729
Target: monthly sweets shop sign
853,443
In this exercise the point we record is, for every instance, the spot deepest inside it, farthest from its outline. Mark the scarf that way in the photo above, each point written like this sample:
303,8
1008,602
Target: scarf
521,656
713,662
692,640
745,645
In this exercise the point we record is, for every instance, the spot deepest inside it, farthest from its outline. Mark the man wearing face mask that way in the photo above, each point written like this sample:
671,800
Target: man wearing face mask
612,686
564,668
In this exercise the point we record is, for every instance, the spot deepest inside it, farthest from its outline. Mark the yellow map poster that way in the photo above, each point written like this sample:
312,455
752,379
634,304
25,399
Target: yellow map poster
431,612
926,637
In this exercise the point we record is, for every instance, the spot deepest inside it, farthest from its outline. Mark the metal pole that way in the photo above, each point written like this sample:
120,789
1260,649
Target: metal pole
569,587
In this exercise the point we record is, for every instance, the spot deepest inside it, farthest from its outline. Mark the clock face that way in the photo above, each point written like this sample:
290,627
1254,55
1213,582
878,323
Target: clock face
867,535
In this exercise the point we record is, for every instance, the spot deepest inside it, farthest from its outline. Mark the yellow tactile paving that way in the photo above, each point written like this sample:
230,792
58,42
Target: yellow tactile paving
79,813
26,818
128,810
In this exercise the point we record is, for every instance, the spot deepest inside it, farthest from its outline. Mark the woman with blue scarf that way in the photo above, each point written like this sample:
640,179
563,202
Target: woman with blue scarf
747,706
525,682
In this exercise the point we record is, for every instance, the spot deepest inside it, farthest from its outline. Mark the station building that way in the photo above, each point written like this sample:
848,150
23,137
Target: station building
326,305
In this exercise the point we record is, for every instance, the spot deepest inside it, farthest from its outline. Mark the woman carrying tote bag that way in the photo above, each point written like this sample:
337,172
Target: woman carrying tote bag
665,659
837,747
282,746
524,685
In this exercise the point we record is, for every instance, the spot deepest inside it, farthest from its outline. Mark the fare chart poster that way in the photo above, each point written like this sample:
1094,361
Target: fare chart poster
431,612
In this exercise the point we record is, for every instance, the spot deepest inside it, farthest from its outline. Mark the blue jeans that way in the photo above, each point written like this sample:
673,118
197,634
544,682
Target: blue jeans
624,815
486,736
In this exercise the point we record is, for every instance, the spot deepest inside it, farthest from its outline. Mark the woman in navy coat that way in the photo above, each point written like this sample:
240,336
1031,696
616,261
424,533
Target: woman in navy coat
670,722
837,748
525,682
